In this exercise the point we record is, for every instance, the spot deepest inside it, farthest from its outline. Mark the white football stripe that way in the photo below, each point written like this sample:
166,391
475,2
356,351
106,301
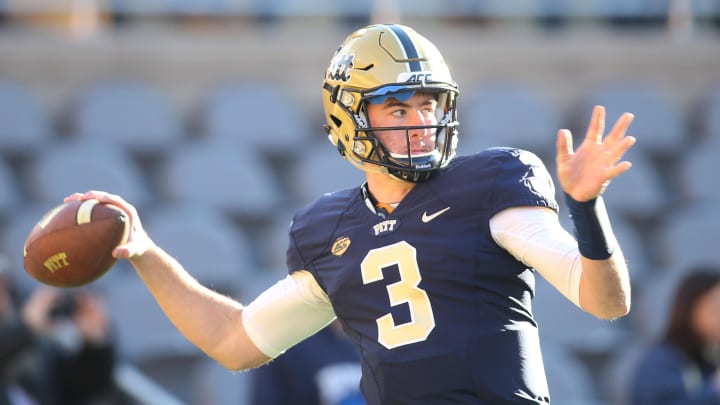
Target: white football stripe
84,211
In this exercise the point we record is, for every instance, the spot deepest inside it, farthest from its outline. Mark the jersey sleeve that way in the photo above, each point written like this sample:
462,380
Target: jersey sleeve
287,313
520,179
535,237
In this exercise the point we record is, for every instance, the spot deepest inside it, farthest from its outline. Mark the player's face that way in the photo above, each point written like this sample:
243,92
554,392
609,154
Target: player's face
706,316
415,111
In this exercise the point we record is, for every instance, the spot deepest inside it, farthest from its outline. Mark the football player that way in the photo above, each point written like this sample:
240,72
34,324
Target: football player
430,264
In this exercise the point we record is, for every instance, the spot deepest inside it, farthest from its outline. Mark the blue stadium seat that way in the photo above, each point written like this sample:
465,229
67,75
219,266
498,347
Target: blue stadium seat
216,252
689,236
24,123
628,8
638,194
144,333
226,176
698,173
507,114
256,115
563,323
319,170
569,380
10,193
131,114
273,241
12,239
659,125
212,384
617,374
651,305
709,115
62,168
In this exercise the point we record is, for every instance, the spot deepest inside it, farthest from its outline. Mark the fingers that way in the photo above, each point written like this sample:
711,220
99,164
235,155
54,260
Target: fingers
596,129
123,252
617,152
133,246
618,169
564,144
104,197
97,195
620,128
616,143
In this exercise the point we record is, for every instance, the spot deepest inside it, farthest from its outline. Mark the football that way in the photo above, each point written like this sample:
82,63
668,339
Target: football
72,244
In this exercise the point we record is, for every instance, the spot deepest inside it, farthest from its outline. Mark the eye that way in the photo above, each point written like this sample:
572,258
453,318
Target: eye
399,113
430,106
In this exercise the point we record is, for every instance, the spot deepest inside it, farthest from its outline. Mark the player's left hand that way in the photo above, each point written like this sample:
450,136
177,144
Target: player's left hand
585,173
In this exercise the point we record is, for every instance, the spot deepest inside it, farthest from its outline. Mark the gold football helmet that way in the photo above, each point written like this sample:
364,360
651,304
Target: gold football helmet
371,65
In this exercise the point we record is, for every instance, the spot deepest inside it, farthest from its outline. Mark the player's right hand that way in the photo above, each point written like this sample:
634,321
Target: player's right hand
138,241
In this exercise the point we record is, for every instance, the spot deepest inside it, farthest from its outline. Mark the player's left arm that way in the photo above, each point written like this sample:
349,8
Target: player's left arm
583,175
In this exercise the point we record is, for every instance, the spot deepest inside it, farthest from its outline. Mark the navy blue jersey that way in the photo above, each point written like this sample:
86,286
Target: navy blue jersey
440,313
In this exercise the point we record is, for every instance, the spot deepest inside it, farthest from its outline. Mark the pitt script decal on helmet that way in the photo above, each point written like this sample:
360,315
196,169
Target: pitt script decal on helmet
340,67
376,63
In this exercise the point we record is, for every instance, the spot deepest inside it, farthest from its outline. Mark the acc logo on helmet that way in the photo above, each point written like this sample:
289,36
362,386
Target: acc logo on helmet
414,77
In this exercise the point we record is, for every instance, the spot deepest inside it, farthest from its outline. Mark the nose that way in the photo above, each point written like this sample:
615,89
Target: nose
416,119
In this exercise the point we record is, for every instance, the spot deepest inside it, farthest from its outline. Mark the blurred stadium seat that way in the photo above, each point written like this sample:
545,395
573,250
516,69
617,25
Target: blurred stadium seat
569,380
617,375
708,114
273,241
321,170
225,175
62,168
10,194
147,338
255,115
12,240
651,305
507,114
638,194
131,114
133,309
209,246
561,322
24,124
689,236
698,180
212,384
659,125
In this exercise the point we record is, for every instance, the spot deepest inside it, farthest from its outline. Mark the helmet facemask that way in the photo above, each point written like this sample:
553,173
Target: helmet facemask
405,153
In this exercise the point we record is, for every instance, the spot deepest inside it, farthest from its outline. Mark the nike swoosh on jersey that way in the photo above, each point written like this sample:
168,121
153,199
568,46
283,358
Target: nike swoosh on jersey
427,218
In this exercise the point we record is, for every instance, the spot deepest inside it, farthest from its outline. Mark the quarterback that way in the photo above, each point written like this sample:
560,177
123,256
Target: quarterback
430,264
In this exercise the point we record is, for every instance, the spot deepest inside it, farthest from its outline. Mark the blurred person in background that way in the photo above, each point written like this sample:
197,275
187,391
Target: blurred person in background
55,347
682,368
324,369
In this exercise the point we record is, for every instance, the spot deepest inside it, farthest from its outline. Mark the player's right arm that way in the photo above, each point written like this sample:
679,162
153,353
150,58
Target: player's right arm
209,320
238,337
